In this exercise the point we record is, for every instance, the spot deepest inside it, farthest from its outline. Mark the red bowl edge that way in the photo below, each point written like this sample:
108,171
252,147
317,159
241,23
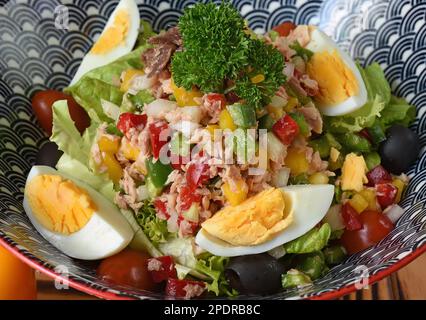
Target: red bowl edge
111,296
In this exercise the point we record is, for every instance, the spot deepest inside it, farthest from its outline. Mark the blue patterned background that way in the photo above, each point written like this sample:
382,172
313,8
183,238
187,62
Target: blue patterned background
35,55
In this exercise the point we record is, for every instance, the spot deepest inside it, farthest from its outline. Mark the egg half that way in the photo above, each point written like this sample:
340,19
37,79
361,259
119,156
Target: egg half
341,87
117,39
256,226
73,217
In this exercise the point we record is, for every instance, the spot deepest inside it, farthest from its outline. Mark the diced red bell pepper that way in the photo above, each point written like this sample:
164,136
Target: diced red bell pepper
158,133
386,194
184,288
161,207
378,175
286,129
128,120
197,174
188,197
285,28
217,97
177,161
350,218
161,268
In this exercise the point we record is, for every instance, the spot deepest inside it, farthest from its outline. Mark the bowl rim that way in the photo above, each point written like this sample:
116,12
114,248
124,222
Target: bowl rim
106,295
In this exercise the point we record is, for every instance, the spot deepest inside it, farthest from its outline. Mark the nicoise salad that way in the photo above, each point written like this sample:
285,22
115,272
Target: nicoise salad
211,160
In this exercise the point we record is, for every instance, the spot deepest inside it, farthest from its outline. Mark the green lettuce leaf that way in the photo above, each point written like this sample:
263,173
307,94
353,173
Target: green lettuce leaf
314,240
152,226
375,81
357,120
145,32
294,278
214,267
399,111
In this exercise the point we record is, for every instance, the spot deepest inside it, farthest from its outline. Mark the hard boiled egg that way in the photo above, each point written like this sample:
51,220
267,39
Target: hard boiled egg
117,39
342,89
73,217
255,225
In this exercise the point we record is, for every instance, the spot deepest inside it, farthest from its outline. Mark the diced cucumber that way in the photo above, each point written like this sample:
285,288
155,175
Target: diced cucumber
153,191
244,116
192,214
266,122
301,122
158,172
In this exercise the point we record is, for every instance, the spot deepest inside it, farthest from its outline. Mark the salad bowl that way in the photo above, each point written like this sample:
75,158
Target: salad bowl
43,42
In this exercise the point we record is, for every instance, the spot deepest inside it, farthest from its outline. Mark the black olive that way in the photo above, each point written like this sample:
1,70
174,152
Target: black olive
255,274
400,150
48,155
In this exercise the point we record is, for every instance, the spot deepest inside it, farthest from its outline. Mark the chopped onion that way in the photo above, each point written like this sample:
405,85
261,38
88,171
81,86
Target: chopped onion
160,108
142,193
393,212
288,70
278,102
141,83
110,109
186,127
334,217
192,114
280,178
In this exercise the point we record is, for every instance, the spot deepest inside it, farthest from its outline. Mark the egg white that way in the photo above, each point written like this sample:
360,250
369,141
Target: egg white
320,42
92,61
309,204
105,234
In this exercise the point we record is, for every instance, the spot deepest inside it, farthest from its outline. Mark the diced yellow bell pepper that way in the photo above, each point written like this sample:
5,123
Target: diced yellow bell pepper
291,104
226,121
114,169
185,98
318,178
358,203
109,145
128,77
275,113
334,154
370,196
129,151
296,161
400,185
235,197
257,79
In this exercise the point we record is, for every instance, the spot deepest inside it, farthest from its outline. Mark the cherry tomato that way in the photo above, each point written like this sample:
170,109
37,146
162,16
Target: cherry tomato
284,28
161,207
217,97
184,288
378,175
350,217
42,103
127,268
128,120
286,129
158,133
375,226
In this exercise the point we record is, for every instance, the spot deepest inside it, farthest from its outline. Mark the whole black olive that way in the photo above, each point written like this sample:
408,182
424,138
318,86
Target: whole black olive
255,274
400,150
48,155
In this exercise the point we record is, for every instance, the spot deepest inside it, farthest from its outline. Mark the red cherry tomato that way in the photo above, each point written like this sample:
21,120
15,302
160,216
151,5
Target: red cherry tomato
386,194
184,288
285,28
375,226
162,268
177,161
42,103
161,207
128,268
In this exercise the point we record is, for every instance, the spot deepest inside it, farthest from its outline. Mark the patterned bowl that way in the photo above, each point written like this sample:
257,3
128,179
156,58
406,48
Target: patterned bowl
43,41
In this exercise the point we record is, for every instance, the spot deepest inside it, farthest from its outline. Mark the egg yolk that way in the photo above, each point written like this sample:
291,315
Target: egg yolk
335,80
59,205
114,35
255,221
